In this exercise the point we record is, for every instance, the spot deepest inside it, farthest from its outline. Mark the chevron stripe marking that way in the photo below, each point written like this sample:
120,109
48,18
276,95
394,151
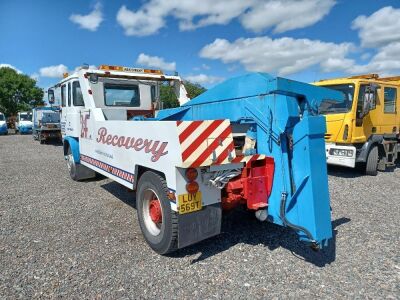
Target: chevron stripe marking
206,154
201,138
188,130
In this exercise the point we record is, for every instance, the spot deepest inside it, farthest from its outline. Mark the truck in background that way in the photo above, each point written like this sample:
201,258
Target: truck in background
3,124
46,124
23,123
364,129
267,156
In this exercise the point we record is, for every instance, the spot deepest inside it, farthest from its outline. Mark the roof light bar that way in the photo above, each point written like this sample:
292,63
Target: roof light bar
129,69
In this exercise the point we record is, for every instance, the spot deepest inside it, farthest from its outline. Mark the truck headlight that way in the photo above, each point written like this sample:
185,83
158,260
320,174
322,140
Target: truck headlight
341,152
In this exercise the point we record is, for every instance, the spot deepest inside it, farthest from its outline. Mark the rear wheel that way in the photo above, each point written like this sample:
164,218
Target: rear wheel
372,162
159,224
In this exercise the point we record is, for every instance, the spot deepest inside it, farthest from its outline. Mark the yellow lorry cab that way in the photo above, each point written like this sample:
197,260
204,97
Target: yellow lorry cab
363,130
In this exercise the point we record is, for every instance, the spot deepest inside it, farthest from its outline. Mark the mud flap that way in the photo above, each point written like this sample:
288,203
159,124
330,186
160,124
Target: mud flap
197,226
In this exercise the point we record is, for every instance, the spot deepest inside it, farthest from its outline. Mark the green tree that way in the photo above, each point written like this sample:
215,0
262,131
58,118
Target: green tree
168,96
194,89
18,92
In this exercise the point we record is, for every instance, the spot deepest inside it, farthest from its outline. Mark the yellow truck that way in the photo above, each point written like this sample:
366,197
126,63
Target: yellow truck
363,130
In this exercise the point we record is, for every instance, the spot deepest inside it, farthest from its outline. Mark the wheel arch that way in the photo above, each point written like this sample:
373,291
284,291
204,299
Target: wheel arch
73,143
372,141
140,170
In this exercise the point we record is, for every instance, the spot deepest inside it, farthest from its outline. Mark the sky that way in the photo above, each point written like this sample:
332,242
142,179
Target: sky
205,41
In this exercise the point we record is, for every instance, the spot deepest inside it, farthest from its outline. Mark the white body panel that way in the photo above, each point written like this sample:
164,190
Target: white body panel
107,141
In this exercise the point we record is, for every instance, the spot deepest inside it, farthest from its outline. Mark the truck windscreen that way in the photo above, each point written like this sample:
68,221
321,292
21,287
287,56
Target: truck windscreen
121,95
26,117
333,107
51,117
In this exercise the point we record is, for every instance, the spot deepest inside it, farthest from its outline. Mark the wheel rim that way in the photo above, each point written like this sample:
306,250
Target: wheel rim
70,161
152,212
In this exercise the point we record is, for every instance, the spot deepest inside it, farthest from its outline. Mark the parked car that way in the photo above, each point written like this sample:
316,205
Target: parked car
3,124
24,122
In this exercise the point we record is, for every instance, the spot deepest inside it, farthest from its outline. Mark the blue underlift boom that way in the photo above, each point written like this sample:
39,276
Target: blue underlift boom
281,116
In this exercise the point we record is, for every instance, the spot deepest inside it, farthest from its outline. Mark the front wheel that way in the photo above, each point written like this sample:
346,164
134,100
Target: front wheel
77,171
372,162
159,224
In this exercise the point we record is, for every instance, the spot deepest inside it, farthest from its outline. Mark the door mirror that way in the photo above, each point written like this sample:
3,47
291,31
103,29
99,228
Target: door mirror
369,98
50,95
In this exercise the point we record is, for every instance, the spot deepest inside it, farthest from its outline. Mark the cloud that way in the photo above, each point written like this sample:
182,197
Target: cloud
53,71
283,56
255,15
11,67
285,15
203,79
155,62
35,76
380,28
140,23
385,62
91,21
202,67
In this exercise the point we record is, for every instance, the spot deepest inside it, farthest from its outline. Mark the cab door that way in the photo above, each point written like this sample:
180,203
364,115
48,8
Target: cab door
389,120
397,110
366,124
64,109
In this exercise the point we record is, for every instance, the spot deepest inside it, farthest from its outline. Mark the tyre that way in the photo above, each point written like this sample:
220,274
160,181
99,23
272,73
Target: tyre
77,171
371,167
159,224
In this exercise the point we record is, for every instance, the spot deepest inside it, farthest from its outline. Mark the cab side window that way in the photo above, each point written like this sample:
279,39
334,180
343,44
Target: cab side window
77,94
63,95
390,100
69,94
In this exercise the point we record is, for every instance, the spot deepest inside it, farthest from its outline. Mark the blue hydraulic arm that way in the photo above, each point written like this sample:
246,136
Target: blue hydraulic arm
287,128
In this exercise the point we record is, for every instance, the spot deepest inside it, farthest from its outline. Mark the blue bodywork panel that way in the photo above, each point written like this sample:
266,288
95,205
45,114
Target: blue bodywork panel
3,129
289,130
74,144
25,129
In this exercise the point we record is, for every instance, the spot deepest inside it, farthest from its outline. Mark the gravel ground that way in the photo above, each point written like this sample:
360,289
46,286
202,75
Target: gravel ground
63,239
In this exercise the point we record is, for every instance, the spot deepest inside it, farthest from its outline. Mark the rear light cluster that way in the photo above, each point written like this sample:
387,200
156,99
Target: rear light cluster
192,186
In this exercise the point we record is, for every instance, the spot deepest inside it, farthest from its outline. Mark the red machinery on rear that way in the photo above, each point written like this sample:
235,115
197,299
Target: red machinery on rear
252,187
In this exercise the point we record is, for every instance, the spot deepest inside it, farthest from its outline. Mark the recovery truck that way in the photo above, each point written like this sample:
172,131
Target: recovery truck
46,124
363,129
266,152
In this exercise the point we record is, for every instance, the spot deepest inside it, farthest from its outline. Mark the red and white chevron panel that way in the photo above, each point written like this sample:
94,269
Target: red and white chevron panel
129,177
205,143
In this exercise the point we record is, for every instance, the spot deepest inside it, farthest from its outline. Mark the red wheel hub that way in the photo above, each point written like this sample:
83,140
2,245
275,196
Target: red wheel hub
155,211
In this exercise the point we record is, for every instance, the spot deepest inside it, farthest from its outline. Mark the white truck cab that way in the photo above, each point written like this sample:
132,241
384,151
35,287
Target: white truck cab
23,123
177,168
3,124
